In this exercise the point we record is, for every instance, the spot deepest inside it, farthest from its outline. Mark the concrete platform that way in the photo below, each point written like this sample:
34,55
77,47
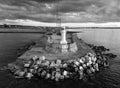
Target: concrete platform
52,53
39,51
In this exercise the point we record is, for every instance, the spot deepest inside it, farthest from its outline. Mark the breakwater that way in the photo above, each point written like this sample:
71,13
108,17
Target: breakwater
81,68
106,78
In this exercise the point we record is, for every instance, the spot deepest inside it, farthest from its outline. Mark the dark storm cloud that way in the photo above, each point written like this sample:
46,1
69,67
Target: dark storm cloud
46,10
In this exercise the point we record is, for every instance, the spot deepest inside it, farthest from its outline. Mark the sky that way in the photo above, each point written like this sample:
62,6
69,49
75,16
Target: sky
73,11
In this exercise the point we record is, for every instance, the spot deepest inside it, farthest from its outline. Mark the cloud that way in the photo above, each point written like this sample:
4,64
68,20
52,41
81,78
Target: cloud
47,1
68,10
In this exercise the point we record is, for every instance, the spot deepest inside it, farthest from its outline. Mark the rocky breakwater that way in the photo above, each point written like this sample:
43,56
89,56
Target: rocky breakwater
57,70
81,68
103,55
80,65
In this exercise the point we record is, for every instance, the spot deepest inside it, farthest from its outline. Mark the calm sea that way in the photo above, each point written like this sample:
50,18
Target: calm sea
108,78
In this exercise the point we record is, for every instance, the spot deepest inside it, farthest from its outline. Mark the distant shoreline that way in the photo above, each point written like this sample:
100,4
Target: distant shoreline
20,30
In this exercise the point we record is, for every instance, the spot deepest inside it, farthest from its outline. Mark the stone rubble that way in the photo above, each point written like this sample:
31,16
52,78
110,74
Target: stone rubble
59,69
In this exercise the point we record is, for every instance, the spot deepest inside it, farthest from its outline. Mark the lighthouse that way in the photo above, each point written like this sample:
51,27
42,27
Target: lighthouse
63,42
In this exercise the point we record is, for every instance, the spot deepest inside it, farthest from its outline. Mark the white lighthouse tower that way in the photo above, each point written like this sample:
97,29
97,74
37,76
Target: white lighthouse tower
63,42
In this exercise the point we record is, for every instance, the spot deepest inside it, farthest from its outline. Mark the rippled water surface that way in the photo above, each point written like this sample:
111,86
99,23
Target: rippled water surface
107,78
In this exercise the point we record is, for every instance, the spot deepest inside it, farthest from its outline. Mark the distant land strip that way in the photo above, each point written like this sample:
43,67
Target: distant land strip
93,27
50,29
